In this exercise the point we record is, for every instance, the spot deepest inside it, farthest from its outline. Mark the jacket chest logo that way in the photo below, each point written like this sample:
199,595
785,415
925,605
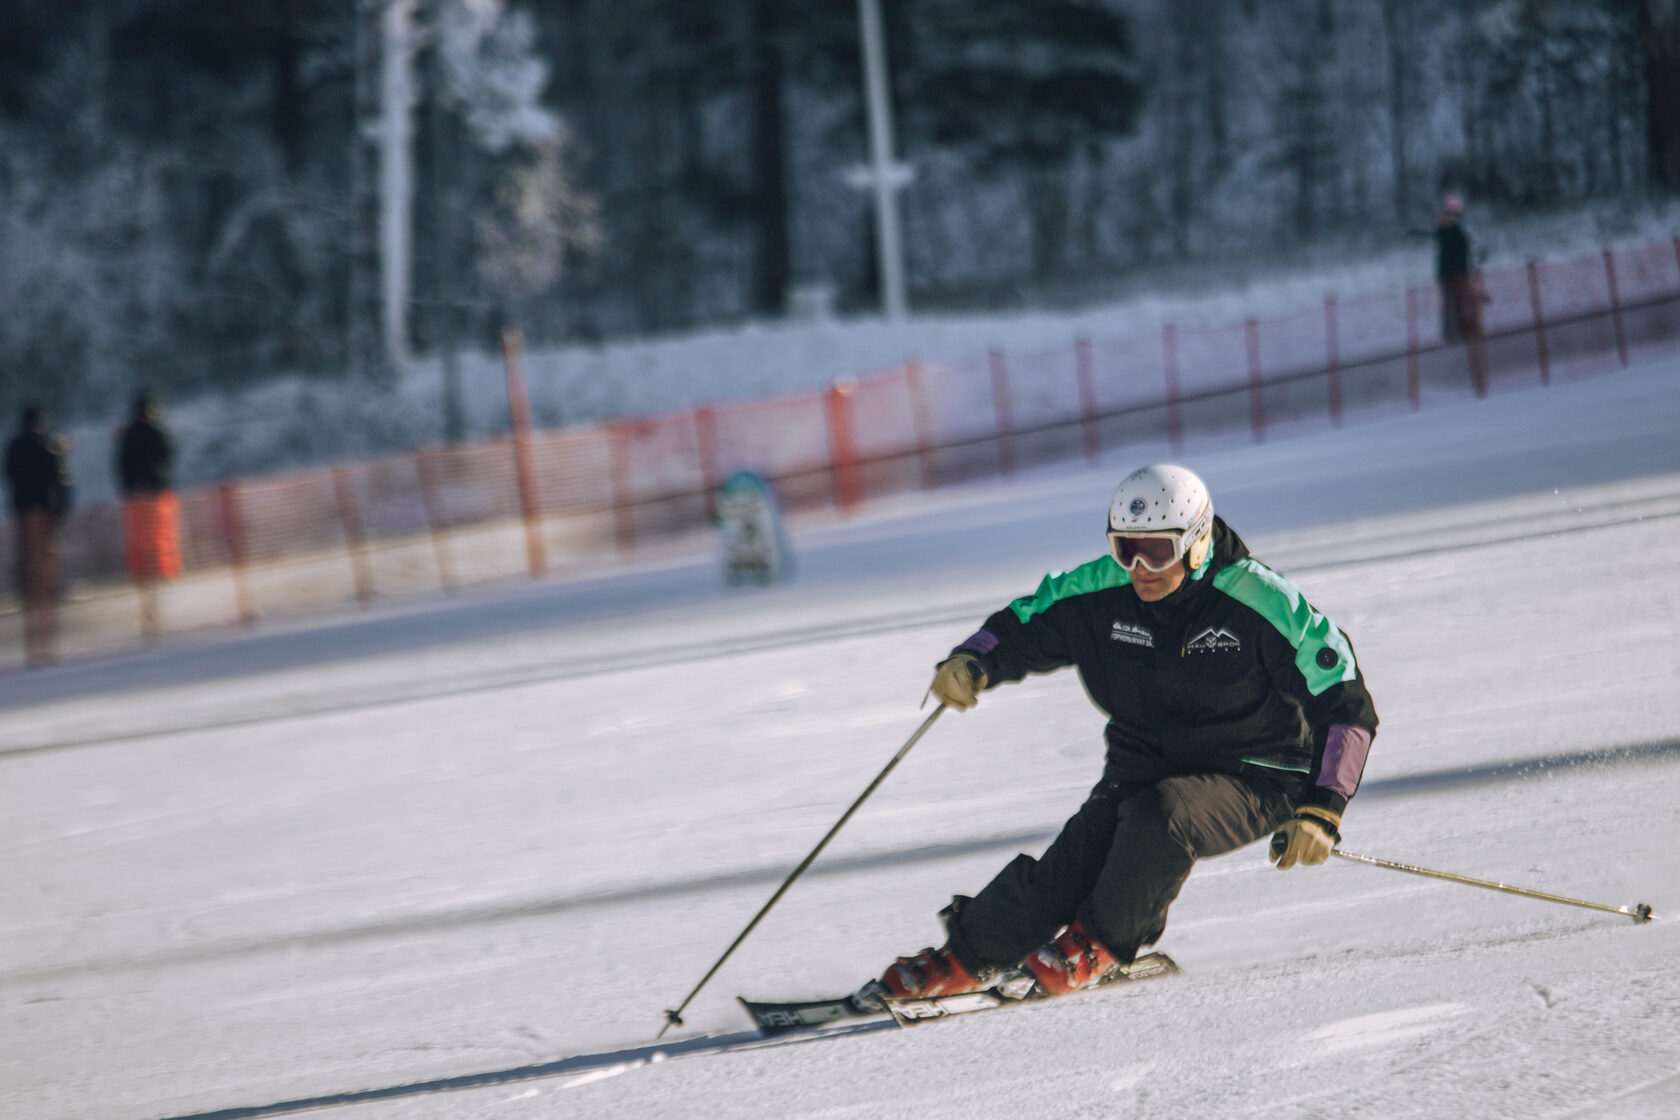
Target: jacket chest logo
1132,635
1214,640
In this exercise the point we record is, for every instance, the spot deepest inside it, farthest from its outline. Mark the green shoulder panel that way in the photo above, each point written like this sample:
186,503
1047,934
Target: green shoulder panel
1101,573
1310,633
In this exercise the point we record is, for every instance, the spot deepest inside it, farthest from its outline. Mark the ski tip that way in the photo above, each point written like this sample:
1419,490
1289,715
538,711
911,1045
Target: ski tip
780,1018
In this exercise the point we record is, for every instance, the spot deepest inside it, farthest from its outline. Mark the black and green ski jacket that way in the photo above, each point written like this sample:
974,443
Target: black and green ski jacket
1235,672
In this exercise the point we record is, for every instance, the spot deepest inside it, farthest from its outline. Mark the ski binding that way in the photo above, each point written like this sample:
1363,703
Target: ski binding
1015,986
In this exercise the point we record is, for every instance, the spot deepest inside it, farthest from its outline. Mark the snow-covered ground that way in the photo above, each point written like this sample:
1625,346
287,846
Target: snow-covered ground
453,859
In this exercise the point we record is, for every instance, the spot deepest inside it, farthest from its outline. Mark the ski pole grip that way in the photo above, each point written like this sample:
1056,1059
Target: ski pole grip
1279,843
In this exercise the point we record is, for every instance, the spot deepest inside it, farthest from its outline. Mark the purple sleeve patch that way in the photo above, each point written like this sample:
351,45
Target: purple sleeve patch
981,641
1345,750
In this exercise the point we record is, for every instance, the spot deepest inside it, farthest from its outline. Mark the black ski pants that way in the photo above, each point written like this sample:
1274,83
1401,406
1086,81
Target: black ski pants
1117,865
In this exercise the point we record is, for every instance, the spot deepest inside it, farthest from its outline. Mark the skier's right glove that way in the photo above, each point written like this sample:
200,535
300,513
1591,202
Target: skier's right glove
1306,838
958,681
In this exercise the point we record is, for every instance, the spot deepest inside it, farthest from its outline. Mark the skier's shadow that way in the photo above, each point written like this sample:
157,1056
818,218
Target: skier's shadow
579,1069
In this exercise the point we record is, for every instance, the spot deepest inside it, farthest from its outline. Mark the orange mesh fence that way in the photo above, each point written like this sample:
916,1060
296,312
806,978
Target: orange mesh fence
1288,369
888,432
443,515
1574,310
1293,344
90,543
1572,290
204,535
784,438
962,420
1505,302
289,516
1129,387
1649,273
1212,378
1649,280
384,498
1370,328
1044,409
659,478
573,470
472,483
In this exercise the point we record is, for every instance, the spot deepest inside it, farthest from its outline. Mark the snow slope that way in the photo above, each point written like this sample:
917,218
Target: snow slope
453,859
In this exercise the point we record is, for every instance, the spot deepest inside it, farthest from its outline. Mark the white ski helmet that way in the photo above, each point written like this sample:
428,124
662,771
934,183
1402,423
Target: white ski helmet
1166,500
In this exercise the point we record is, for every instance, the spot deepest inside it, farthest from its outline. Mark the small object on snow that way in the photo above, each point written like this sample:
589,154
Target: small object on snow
749,520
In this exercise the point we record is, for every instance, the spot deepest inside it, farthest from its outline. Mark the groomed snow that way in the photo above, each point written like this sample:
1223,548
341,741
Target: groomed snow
453,859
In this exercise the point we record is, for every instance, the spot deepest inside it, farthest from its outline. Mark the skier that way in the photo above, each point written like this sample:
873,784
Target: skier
1235,709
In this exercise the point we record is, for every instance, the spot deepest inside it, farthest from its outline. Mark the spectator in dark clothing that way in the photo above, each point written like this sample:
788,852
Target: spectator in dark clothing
1461,303
151,509
38,476
145,454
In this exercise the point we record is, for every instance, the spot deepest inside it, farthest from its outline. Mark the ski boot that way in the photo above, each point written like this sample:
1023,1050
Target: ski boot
929,973
925,975
1073,959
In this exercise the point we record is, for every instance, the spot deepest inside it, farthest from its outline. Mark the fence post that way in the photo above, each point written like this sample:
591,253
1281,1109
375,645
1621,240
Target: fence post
618,458
434,519
1414,379
920,419
1005,415
233,534
350,517
1087,399
1169,370
1540,345
1475,337
1256,401
842,442
705,438
1615,306
1333,359
519,409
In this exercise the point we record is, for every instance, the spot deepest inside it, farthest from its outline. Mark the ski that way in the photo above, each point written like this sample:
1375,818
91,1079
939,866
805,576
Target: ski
1013,987
783,1018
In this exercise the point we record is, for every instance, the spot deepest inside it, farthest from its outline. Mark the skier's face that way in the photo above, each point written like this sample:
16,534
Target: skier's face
1152,587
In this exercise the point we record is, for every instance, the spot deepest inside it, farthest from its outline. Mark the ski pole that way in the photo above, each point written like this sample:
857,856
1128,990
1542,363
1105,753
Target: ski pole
1640,912
673,1017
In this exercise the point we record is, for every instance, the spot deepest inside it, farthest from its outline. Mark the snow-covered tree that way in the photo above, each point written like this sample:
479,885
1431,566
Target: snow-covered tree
529,212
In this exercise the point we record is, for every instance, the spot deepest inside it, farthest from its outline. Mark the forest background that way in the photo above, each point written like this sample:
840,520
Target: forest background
191,191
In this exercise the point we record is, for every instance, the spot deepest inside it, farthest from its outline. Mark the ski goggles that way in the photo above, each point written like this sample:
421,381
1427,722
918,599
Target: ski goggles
1155,551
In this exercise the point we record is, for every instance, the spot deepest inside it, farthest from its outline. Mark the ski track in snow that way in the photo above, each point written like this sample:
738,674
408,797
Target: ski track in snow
454,872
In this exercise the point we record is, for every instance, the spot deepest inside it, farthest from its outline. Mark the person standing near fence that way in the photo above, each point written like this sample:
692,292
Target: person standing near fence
38,477
151,509
1461,303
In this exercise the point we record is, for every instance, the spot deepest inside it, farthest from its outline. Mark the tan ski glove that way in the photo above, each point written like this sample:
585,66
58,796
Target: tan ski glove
1306,838
958,681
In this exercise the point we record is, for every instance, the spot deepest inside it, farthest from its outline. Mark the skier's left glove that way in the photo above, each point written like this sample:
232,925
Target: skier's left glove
958,681
1306,838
